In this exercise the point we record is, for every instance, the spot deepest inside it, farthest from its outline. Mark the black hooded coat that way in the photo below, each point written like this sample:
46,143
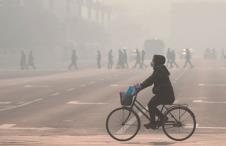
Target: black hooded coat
160,78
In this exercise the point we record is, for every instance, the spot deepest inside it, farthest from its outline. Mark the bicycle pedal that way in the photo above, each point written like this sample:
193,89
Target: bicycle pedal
153,127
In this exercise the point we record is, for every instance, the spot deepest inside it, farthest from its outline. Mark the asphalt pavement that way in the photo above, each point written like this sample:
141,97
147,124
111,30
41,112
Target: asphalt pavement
73,106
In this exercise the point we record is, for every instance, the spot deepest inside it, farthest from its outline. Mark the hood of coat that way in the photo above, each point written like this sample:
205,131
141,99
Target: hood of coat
161,69
159,59
159,62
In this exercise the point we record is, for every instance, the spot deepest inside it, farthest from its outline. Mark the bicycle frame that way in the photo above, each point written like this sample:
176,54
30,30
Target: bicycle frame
144,110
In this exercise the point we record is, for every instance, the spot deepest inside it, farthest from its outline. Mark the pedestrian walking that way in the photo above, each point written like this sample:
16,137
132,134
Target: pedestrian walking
213,54
98,59
169,58
125,58
173,59
143,65
138,59
120,60
22,60
110,59
222,53
188,58
74,59
31,61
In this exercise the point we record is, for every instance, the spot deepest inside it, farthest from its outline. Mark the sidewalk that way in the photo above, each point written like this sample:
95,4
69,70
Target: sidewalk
105,140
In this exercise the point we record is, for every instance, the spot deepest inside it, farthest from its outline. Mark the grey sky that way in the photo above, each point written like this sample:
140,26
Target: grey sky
152,16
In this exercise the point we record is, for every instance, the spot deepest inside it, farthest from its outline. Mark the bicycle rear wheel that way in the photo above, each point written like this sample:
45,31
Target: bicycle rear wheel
181,123
122,124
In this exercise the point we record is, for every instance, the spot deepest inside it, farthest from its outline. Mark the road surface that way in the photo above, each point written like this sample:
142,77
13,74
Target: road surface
73,104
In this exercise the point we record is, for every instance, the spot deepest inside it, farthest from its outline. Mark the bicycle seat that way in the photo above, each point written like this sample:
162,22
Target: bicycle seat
173,104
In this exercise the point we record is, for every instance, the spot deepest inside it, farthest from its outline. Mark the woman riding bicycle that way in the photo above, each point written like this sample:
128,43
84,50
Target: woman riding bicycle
162,90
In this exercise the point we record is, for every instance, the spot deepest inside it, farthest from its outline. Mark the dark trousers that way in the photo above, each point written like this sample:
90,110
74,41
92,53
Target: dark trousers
188,62
73,64
153,104
110,64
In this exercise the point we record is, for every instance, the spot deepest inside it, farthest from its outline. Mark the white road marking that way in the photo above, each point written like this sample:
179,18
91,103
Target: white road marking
83,85
11,84
178,77
202,98
43,86
7,126
92,82
21,105
55,94
70,89
32,128
210,102
214,128
68,121
4,102
86,103
114,85
35,86
209,127
28,86
12,127
211,85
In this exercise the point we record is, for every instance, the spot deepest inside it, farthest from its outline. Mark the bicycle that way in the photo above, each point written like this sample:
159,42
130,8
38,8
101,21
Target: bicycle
124,123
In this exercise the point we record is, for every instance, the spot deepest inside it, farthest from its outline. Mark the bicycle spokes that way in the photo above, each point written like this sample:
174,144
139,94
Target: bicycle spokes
125,128
124,123
181,123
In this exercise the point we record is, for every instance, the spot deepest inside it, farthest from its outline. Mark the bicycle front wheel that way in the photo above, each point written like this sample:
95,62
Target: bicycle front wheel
123,124
181,123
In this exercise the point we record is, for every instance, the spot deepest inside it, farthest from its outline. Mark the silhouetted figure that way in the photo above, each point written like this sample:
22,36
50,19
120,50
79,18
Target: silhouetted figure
222,53
74,59
99,59
143,59
23,65
210,54
224,59
188,58
207,53
213,54
168,57
173,59
125,58
110,59
31,61
138,59
120,59
162,90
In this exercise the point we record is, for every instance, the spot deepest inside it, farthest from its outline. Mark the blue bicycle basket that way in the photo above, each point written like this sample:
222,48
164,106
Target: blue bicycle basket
126,98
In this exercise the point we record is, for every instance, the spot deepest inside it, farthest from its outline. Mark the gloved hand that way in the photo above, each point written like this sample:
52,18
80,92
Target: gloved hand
137,87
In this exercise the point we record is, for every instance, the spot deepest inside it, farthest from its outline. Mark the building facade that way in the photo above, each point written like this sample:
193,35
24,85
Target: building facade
92,10
47,25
